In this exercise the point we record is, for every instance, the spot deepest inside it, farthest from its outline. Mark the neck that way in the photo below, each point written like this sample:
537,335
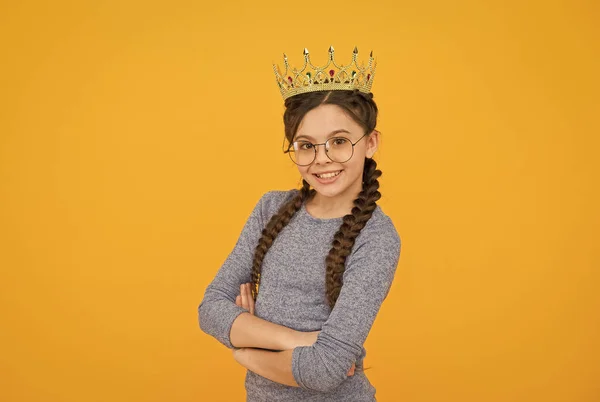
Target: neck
334,207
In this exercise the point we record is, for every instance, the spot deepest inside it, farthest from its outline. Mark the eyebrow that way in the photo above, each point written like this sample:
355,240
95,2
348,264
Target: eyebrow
331,134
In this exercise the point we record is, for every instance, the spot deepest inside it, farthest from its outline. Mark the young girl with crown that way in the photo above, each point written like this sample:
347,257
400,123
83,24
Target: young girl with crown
297,296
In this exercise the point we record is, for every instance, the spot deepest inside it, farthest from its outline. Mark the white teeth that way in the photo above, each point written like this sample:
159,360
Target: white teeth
328,175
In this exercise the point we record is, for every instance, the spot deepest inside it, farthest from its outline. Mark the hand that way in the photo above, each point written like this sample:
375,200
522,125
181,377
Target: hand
305,338
351,371
238,354
245,300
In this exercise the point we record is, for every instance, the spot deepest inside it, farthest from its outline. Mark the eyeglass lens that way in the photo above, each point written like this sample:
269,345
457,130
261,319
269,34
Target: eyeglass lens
338,149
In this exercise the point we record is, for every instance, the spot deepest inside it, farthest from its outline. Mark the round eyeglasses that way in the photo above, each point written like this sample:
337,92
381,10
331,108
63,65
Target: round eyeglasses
337,149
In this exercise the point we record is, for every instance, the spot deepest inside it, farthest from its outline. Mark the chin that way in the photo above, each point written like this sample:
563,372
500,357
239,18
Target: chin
328,193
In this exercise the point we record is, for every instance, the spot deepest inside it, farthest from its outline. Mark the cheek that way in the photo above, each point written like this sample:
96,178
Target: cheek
360,153
303,170
355,165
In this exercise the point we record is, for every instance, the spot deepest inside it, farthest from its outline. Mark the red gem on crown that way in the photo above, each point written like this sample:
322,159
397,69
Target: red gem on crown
331,72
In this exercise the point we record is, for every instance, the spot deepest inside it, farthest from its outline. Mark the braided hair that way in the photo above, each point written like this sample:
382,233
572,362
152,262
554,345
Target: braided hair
363,110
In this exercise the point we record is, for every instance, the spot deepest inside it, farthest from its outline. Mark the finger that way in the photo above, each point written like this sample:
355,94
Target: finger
244,297
248,296
250,299
238,301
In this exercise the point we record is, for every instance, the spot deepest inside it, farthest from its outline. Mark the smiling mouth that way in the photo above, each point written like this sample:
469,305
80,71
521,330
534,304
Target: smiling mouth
328,175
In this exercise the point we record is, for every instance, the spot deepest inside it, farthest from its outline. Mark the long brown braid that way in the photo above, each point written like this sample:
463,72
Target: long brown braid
363,110
343,240
275,225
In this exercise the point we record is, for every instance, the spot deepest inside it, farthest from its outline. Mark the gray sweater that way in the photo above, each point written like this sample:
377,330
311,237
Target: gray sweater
292,293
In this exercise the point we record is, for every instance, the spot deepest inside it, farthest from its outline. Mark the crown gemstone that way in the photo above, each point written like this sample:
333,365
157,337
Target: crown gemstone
331,73
290,79
368,77
308,75
353,74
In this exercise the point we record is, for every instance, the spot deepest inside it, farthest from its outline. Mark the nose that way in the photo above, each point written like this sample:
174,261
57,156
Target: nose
321,156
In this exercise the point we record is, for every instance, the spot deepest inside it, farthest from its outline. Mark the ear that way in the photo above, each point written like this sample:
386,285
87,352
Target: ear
372,143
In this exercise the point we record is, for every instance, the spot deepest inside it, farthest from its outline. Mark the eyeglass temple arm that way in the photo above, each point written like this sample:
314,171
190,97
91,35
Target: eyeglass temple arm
285,151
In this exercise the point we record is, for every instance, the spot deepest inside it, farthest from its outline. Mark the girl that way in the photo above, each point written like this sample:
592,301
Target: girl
297,296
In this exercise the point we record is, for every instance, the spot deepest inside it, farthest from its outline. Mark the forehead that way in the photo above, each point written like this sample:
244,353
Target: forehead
319,122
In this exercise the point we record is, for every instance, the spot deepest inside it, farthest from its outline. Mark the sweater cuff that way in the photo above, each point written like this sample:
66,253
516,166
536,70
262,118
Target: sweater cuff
229,315
296,356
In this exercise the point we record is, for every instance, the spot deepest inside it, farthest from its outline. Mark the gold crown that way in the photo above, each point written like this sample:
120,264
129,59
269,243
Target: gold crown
329,77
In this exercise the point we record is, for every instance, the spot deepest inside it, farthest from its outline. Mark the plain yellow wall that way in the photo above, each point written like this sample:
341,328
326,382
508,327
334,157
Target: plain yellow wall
135,138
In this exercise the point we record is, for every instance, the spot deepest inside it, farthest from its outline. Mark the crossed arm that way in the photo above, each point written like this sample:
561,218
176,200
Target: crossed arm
318,361
251,335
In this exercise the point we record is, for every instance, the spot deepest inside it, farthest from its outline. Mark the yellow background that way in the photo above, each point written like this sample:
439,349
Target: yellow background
135,138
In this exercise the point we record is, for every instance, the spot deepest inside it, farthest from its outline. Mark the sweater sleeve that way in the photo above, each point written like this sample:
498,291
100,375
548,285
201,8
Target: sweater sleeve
218,310
367,280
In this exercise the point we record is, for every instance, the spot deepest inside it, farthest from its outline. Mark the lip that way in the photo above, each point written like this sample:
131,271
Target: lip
329,180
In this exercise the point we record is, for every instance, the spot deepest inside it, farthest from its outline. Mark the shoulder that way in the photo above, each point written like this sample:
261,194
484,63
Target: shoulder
376,251
379,238
381,229
270,202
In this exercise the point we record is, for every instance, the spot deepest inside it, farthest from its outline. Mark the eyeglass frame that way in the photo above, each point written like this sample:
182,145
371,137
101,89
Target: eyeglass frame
288,151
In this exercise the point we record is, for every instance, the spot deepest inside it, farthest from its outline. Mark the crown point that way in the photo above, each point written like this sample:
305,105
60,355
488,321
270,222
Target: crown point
284,56
355,50
371,55
330,49
305,51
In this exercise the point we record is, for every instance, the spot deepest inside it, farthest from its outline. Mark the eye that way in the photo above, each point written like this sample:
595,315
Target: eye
339,141
304,146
